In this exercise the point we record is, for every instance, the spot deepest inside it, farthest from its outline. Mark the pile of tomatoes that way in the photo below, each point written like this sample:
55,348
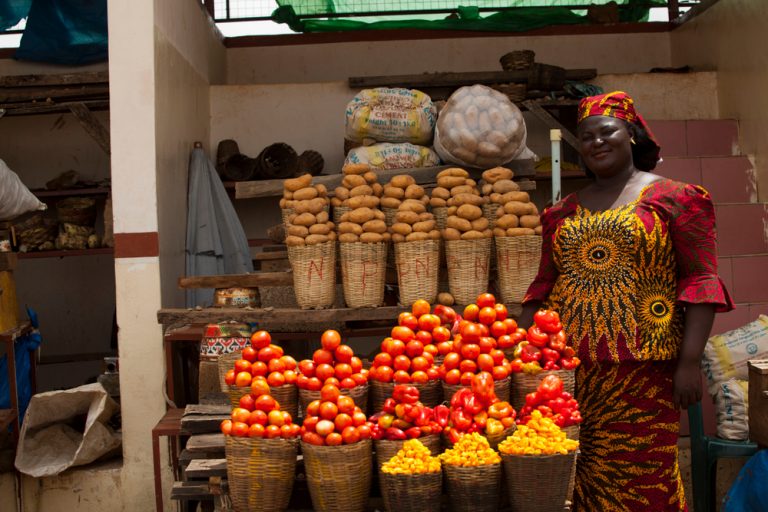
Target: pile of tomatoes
334,419
259,415
545,345
262,359
478,409
334,363
404,417
552,402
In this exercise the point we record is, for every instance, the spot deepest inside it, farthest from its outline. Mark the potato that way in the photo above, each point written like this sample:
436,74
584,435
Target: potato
287,194
371,177
397,238
371,238
350,227
449,182
313,206
520,231
335,202
386,237
464,155
451,210
414,192
453,171
390,202
353,180
413,206
522,197
361,215
294,230
487,149
480,224
488,233
426,216
331,236
377,188
441,192
445,298
451,234
375,226
294,184
424,226
305,193
474,199
362,190
289,203
379,215
504,186
434,234
487,189
436,202
282,203
497,173
529,221
348,238
401,228
495,198
416,236
499,232
344,217
507,221
472,235
402,181
294,241
516,208
304,219
458,223
315,239
407,217
499,212
363,202
395,192
469,212
322,217
537,230
322,191
463,189
355,169
341,192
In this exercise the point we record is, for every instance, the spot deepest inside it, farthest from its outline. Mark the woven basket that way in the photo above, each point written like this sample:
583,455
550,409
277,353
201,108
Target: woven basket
77,210
418,270
260,472
500,386
468,268
338,211
389,215
489,212
358,393
441,215
411,493
314,274
493,439
518,60
524,383
285,213
517,261
474,488
521,470
386,449
430,393
339,477
515,92
363,273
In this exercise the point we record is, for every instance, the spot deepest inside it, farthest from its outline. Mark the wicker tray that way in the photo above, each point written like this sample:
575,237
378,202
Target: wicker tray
500,386
418,270
521,470
524,383
517,261
474,488
77,210
339,477
260,472
314,274
358,393
411,493
468,263
519,60
386,449
363,273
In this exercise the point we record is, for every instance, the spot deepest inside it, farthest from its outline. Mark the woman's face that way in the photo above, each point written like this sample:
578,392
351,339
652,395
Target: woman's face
604,145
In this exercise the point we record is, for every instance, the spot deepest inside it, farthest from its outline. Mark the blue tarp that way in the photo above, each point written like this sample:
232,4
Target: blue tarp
12,12
23,346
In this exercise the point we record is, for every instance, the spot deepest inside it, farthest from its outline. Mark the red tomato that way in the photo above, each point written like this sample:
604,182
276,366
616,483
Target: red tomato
286,431
408,320
393,347
332,380
342,421
256,430
324,427
266,403
346,404
307,367
401,377
229,378
313,438
501,311
348,383
360,378
440,334
429,322
470,312
358,418
382,359
471,333
486,344
498,329
259,386
364,431
324,371
289,362
313,408
240,414
420,363
384,374
259,369
420,307
485,300
239,429
290,376
260,339
484,331
431,349
401,362
444,347
302,381
356,363
498,356
452,360
470,351
259,417
243,379
276,418
271,431
241,365
419,377
505,341
424,337
413,349
466,378
328,411
343,353
329,393
247,401
250,354
433,373
446,314
343,371
403,334
487,315
276,365
226,427
511,325
333,439
485,362
453,377
330,340
499,373
314,384
468,366
309,423
267,353
322,356
350,435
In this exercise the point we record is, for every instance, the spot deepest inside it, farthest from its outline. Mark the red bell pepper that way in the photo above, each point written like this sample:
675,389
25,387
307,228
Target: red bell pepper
551,366
389,406
454,436
401,424
500,410
460,420
568,351
532,399
548,354
376,432
459,398
570,363
481,419
413,433
482,386
473,428
441,414
516,366
405,394
545,411
529,353
550,387
537,337
558,341
473,405
394,434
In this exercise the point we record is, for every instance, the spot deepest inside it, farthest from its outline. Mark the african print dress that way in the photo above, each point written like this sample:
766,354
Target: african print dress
619,279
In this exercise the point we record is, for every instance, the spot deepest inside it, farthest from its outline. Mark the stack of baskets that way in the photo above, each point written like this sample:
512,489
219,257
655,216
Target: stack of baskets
518,60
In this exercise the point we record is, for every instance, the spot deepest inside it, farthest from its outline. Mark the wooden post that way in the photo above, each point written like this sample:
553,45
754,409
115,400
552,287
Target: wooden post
674,10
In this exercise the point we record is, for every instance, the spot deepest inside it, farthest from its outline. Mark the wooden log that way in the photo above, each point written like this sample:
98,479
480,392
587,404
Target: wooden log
238,280
267,256
423,176
457,79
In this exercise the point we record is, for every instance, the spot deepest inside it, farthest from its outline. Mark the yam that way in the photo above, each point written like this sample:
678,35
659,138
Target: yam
469,212
294,184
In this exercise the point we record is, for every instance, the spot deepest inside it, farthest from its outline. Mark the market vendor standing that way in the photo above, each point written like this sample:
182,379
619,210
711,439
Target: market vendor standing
630,263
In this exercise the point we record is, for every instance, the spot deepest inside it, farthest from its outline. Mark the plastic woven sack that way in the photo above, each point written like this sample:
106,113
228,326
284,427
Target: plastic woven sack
15,197
479,127
731,408
726,355
393,156
391,115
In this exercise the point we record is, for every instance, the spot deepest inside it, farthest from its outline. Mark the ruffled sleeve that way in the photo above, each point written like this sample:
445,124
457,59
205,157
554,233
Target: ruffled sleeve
693,234
547,274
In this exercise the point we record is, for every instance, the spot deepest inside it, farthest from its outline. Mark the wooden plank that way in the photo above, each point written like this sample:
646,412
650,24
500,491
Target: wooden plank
8,261
47,94
203,424
552,123
271,255
49,108
65,253
206,468
92,126
213,315
207,443
92,77
191,491
457,79
16,332
203,409
423,176
253,280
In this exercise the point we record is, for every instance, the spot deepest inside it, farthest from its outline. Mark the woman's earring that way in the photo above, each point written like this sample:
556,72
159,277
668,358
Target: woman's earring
632,140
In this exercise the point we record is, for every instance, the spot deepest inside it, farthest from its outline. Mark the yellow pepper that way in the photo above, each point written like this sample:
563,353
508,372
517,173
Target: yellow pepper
471,450
412,458
540,436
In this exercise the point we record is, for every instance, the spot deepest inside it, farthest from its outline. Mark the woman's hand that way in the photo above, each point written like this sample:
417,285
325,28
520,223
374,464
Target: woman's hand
687,384
687,379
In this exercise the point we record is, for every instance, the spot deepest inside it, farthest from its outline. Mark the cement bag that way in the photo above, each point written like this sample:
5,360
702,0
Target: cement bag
391,115
480,127
15,198
54,436
393,156
726,355
731,408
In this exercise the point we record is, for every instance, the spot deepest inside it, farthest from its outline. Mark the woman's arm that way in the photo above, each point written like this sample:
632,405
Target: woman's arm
687,378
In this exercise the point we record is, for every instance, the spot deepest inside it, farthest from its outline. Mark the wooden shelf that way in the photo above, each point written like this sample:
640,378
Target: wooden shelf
12,334
65,253
92,191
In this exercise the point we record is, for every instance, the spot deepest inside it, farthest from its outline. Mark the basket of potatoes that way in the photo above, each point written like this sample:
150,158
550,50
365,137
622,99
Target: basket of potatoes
399,189
355,175
517,235
496,183
467,237
301,189
417,251
363,240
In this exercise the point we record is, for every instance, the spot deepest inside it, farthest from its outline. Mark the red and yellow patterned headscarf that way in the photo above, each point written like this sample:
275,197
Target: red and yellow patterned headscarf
616,104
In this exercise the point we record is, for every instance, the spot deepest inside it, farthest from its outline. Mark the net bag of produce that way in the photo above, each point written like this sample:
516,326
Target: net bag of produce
393,156
15,198
479,127
391,115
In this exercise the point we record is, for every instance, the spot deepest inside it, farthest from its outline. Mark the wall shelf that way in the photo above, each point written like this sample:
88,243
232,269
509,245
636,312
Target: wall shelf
65,253
91,191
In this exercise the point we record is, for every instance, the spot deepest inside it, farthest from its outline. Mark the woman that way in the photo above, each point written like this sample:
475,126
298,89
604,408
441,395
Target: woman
630,264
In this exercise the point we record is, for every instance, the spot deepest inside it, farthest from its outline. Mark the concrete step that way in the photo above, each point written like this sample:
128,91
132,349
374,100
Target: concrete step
715,137
729,179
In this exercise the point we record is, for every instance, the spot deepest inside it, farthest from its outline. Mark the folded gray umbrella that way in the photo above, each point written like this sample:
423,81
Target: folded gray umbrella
216,242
